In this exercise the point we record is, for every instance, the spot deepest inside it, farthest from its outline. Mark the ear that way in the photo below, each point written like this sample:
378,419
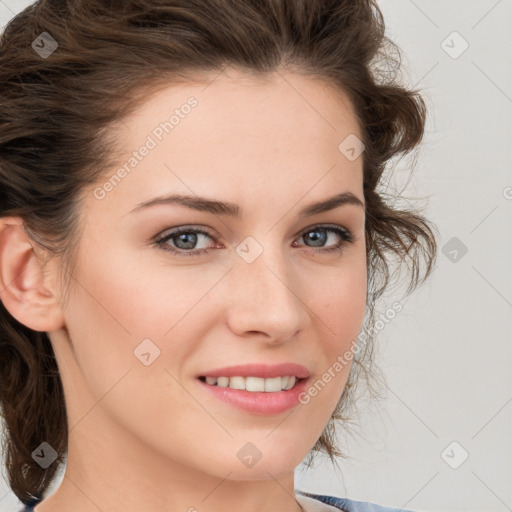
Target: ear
27,292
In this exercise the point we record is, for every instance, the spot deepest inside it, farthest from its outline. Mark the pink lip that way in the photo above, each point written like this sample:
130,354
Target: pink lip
263,403
260,370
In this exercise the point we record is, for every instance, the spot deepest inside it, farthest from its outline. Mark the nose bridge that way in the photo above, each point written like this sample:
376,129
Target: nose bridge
264,292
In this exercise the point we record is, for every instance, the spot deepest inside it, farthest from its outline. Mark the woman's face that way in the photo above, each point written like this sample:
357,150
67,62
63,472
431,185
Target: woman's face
267,286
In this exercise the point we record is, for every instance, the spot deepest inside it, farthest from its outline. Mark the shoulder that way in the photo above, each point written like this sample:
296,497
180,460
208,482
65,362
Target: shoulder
346,504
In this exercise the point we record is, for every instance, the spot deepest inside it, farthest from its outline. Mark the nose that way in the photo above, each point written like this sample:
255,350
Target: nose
266,297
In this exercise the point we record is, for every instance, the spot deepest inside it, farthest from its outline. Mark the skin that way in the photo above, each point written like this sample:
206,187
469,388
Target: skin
149,438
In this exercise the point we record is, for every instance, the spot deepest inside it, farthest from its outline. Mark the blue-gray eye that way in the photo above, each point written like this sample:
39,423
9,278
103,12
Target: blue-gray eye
185,239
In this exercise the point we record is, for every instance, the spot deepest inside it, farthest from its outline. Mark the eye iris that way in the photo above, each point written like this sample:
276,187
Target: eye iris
315,238
190,239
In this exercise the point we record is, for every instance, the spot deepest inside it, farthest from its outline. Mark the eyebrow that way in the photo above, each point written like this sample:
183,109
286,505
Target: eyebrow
204,204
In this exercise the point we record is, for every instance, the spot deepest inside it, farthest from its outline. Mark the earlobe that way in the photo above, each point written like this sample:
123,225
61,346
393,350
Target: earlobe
25,290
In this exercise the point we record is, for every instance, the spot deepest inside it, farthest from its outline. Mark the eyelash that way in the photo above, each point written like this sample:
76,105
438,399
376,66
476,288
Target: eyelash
346,235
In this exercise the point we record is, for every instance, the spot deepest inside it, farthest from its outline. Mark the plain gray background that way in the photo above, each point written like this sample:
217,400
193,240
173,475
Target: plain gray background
440,440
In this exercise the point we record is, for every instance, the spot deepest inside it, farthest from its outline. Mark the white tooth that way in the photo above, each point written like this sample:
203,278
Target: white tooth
273,384
223,382
254,384
237,383
291,382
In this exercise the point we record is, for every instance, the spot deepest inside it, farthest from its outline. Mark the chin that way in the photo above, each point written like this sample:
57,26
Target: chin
273,459
263,471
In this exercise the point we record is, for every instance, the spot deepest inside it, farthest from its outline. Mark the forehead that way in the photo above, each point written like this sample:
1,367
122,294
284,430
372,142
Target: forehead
280,104
239,135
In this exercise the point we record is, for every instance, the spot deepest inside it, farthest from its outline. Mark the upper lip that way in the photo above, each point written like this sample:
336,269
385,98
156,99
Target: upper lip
264,371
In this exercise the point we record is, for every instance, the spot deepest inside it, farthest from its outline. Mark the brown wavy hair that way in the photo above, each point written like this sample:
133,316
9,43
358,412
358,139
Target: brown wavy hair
56,137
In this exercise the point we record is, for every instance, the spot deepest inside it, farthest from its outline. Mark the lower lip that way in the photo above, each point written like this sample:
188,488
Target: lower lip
259,402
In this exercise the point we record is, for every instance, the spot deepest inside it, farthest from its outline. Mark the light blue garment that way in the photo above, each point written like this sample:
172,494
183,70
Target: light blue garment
348,505
343,504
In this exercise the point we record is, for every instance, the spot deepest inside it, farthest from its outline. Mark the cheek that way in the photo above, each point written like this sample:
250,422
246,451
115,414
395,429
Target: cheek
112,313
134,299
120,302
340,302
340,306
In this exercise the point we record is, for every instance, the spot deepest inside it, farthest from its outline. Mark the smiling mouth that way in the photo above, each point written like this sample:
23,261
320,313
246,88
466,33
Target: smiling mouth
254,384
